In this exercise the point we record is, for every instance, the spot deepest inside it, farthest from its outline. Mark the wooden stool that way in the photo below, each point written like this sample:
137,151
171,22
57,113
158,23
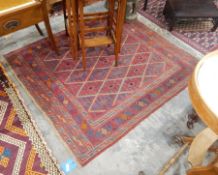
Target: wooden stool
110,23
203,91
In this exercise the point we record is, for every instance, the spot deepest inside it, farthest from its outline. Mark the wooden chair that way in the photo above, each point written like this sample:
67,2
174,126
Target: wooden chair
110,23
203,93
16,15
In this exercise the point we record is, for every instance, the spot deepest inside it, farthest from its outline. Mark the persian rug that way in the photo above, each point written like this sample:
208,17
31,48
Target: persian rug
93,109
22,151
195,33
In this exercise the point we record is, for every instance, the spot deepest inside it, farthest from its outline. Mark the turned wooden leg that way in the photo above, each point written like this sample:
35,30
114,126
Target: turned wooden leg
65,16
118,34
145,5
82,33
192,119
48,27
39,30
84,58
72,27
116,50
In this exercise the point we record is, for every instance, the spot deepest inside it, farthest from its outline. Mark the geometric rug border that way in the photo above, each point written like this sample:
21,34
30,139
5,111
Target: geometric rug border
35,136
18,143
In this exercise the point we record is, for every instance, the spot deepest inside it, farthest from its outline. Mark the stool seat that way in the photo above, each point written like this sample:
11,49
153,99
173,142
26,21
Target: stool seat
6,5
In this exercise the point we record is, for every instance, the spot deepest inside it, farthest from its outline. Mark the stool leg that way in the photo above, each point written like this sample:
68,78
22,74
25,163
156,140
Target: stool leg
72,24
119,28
111,15
84,58
82,33
116,50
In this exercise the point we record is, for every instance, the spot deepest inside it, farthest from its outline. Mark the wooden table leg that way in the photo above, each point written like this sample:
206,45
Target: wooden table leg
145,5
48,26
192,119
39,30
65,16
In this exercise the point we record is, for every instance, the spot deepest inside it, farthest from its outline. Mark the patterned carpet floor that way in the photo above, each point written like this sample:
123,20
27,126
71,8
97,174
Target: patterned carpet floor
93,109
18,154
195,33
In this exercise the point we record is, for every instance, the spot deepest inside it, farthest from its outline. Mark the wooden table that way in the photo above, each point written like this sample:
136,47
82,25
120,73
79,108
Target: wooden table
203,93
16,15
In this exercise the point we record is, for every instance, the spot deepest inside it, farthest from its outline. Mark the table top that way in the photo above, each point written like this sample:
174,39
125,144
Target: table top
207,82
6,5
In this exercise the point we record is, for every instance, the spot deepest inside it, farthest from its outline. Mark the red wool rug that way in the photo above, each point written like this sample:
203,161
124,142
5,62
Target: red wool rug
93,109
18,154
195,33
